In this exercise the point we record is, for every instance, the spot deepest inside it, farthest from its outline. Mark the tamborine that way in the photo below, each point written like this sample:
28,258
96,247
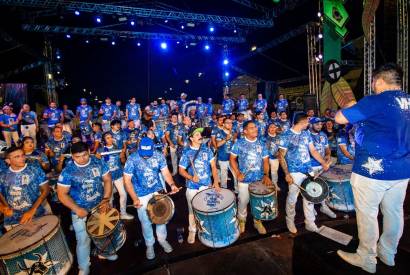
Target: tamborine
263,200
215,214
38,247
106,230
160,209
314,190
341,194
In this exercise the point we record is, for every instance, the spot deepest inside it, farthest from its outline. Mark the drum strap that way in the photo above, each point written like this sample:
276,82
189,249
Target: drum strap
193,160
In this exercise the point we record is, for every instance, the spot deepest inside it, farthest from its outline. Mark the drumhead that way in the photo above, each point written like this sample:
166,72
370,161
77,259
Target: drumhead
24,236
209,201
340,172
102,224
160,209
258,188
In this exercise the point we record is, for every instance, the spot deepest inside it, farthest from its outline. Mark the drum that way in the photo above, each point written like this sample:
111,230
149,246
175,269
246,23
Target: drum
106,230
215,215
160,209
263,200
341,194
314,190
38,247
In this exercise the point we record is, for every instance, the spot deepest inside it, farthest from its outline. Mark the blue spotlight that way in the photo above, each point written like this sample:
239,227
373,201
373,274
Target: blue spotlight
211,29
164,46
186,46
182,27
87,41
226,74
166,21
77,13
226,61
139,44
58,56
178,42
113,43
98,19
235,31
207,47
68,36
132,23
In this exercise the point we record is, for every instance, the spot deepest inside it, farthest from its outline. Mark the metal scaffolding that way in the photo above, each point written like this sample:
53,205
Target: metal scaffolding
369,62
140,12
129,34
315,57
48,73
403,40
250,4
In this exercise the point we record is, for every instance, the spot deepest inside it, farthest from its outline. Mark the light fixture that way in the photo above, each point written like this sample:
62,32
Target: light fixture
164,45
77,13
226,61
253,48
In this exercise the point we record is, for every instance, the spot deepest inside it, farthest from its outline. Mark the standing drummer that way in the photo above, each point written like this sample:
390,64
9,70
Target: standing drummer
249,160
23,189
295,148
381,167
84,184
321,144
141,178
197,165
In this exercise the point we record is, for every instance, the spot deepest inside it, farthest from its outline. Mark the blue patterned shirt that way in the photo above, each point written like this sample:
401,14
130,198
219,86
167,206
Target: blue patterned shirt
108,111
53,116
84,112
133,111
243,105
260,105
119,138
272,144
173,130
225,150
321,143
145,172
113,161
297,150
227,106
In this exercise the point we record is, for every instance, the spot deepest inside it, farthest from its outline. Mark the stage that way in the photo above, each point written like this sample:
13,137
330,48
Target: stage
272,253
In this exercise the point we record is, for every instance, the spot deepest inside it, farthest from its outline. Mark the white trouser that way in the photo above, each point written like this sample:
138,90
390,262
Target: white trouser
29,131
243,200
190,193
223,170
308,207
83,246
315,170
147,232
274,166
368,195
174,159
119,185
9,135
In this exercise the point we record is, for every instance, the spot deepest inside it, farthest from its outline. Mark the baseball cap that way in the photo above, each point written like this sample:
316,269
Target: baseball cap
83,100
146,147
193,130
314,120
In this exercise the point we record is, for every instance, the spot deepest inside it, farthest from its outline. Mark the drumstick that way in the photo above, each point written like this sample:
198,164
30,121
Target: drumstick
300,187
193,166
102,153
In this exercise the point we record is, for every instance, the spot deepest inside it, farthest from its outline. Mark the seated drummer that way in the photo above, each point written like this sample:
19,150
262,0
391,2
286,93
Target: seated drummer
33,154
197,165
84,184
249,160
23,189
141,178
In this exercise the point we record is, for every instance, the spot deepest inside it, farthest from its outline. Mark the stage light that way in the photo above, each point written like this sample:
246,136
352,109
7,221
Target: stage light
320,56
235,31
226,61
50,76
68,36
178,42
77,13
170,89
186,81
139,44
182,27
98,19
58,72
253,48
164,45
113,43
58,56
166,21
319,14
226,74
207,47
211,29
84,90
200,74
87,41
132,23
186,46
320,36
317,59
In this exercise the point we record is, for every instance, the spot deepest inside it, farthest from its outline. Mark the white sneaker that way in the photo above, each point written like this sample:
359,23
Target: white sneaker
166,246
326,210
191,237
356,260
126,216
311,227
291,226
110,258
150,253
387,259
84,271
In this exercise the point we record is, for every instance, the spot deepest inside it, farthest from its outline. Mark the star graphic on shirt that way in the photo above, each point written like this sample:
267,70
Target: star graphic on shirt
373,165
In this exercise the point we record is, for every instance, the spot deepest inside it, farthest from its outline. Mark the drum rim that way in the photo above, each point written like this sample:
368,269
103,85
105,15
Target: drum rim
33,245
95,209
314,200
261,195
168,198
215,211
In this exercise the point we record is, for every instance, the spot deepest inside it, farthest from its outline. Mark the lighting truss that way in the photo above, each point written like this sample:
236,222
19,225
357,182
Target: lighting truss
403,40
369,62
129,34
140,12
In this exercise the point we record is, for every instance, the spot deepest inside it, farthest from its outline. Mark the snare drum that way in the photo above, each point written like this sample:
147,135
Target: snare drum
38,247
160,209
263,200
341,194
215,215
106,230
